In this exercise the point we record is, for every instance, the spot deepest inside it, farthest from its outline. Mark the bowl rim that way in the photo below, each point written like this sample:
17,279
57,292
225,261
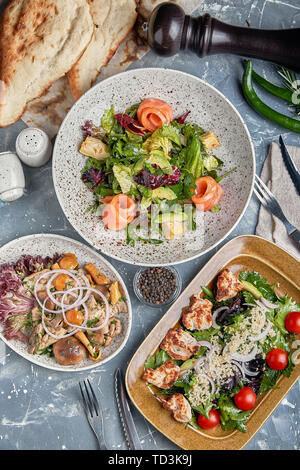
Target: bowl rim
158,70
171,299
118,276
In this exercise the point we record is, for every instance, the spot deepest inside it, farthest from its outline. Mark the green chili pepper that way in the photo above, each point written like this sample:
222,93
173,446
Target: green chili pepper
261,107
282,93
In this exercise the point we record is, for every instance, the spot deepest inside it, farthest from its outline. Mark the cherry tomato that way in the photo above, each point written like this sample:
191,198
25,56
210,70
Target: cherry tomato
277,359
245,399
292,322
212,422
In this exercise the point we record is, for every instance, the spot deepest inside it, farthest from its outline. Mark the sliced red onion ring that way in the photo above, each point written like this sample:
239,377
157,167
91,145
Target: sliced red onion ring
184,372
245,357
263,334
261,305
86,317
199,363
89,289
296,357
50,295
268,304
250,373
296,354
226,347
296,343
214,317
249,304
206,344
236,364
75,278
49,332
211,354
212,383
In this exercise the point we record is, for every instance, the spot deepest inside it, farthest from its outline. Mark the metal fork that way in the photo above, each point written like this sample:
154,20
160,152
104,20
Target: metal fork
93,411
268,200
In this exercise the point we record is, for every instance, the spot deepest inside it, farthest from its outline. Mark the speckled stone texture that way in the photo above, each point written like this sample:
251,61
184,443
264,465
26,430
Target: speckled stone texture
41,409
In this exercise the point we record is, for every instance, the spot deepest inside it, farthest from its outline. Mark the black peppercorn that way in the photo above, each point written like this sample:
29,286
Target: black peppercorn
157,285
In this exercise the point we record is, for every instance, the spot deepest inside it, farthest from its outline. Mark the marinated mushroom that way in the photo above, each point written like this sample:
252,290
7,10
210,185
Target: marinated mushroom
69,351
94,354
115,327
96,338
104,290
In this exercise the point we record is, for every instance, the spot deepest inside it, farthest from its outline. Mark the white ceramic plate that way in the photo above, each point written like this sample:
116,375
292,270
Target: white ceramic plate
209,108
48,245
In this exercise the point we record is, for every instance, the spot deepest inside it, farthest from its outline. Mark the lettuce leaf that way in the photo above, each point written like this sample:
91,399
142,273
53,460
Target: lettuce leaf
124,177
286,305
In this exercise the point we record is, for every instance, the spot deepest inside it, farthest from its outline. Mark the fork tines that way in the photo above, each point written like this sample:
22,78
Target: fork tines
90,401
262,191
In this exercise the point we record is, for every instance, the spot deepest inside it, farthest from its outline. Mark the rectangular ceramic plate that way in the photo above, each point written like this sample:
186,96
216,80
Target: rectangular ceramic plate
247,252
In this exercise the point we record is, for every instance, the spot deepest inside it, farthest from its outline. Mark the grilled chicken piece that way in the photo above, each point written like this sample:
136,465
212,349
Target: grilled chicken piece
180,406
198,315
179,344
228,285
164,376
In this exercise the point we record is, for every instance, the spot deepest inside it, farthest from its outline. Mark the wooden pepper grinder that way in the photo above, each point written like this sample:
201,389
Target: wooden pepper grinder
170,30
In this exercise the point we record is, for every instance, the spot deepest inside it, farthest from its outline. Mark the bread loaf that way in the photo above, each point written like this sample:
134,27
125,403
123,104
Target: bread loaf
40,40
113,20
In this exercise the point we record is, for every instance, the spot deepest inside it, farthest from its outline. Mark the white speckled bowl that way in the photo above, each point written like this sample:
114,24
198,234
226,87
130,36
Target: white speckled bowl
209,108
48,245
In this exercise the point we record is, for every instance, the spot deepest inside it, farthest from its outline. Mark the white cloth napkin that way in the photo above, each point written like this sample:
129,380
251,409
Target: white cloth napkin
276,177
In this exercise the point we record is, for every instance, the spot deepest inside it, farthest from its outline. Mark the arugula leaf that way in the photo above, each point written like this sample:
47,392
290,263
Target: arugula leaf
150,362
289,368
204,335
261,283
184,382
160,358
231,416
219,178
189,184
269,380
277,341
189,130
133,110
204,409
157,360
